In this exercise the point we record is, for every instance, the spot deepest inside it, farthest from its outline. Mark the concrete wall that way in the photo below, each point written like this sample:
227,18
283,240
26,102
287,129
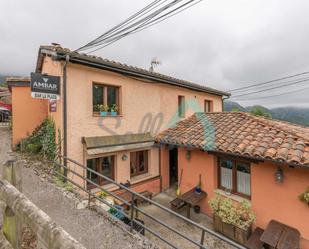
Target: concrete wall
27,113
269,199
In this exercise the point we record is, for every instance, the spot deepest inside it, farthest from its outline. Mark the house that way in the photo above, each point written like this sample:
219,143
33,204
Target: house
27,113
141,103
263,161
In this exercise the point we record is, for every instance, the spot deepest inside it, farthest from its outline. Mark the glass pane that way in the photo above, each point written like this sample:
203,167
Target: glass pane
243,178
139,162
107,167
111,96
181,106
226,172
91,164
207,106
97,96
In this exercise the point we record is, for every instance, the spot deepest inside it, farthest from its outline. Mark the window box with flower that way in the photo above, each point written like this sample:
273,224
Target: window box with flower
233,219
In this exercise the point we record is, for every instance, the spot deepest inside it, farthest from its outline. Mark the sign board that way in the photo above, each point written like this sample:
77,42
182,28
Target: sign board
52,105
45,86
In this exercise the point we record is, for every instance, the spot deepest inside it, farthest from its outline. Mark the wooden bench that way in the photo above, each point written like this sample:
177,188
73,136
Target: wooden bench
146,194
254,241
177,204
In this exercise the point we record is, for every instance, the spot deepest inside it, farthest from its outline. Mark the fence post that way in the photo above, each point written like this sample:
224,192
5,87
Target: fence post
132,212
12,174
202,238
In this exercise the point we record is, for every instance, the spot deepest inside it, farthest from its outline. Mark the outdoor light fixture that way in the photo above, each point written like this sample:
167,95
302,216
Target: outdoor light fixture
124,157
188,154
279,175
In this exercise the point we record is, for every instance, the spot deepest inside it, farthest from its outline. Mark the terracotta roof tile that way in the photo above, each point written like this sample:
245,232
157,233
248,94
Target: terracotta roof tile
242,134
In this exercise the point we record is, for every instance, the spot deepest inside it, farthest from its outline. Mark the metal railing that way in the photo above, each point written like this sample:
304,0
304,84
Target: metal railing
134,208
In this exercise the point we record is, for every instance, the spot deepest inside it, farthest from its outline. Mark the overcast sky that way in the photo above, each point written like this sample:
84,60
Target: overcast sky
222,44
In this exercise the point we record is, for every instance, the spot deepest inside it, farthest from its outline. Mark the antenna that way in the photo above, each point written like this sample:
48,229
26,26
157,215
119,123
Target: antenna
154,63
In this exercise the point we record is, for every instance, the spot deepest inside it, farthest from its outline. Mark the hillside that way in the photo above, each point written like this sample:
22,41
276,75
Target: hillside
290,114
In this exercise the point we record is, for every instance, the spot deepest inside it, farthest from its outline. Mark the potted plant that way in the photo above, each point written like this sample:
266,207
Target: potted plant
231,218
304,197
214,204
244,221
114,110
198,188
103,110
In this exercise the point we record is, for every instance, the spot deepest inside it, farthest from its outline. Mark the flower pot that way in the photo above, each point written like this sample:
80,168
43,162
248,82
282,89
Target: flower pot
113,113
103,114
197,209
198,190
217,222
242,235
228,230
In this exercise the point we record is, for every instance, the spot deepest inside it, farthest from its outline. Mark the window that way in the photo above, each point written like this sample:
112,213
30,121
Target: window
139,162
102,165
181,106
235,175
105,95
208,106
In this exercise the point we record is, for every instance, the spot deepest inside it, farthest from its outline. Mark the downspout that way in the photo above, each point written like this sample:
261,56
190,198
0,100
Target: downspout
65,133
224,98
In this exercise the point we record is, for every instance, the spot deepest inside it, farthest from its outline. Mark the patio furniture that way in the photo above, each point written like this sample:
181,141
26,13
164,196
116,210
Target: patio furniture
254,241
177,204
146,194
191,198
280,236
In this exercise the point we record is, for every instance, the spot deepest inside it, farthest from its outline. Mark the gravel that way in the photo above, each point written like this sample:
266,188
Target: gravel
93,230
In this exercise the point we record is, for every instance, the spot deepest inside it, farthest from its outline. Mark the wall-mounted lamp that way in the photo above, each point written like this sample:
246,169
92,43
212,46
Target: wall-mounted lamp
279,175
188,154
124,157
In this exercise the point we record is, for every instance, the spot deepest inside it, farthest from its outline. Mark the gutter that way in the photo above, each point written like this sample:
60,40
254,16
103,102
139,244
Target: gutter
133,73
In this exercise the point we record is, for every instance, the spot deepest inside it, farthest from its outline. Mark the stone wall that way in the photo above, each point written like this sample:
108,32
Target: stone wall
24,224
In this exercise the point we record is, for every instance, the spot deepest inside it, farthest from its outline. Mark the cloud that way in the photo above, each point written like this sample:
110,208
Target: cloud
219,43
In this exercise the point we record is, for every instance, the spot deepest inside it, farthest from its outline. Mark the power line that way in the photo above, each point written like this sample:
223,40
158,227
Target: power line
144,20
276,87
148,26
149,23
110,37
128,20
268,82
274,95
156,12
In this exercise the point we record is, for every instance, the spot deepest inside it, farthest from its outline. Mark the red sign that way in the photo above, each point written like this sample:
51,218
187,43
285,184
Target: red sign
7,106
52,105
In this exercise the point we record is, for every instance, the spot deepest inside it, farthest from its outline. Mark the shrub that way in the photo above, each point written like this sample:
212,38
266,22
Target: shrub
42,141
305,196
238,214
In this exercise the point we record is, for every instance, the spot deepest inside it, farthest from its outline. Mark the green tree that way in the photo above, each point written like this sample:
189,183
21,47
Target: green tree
235,109
258,111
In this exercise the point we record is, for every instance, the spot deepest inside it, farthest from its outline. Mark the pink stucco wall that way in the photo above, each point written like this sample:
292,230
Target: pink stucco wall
27,113
149,103
269,199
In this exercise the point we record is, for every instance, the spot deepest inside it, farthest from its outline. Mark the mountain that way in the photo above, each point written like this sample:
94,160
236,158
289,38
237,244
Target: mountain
2,79
290,114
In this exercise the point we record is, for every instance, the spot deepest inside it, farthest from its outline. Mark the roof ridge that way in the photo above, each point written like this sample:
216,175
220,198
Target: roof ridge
276,122
182,83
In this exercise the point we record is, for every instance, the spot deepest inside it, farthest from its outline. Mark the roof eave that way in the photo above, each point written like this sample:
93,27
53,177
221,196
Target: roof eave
131,72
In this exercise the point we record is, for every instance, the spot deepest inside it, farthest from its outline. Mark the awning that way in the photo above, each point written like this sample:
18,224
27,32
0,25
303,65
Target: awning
108,144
